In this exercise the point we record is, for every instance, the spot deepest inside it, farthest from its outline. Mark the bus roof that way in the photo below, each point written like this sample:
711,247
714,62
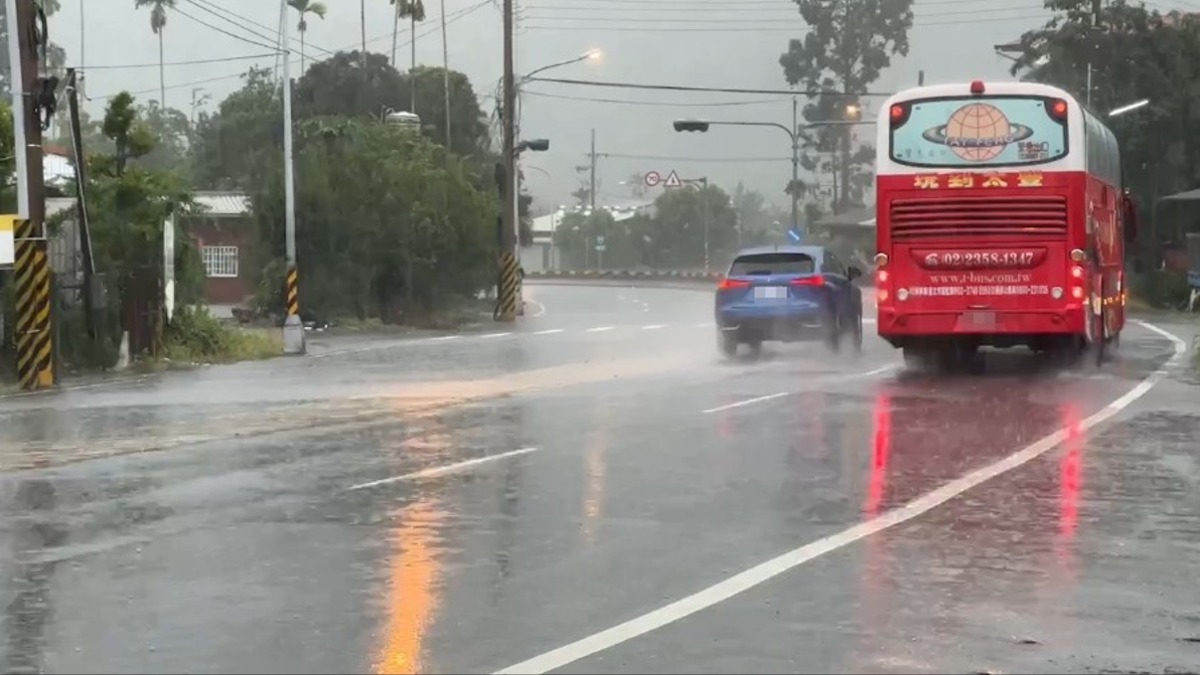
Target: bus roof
1008,88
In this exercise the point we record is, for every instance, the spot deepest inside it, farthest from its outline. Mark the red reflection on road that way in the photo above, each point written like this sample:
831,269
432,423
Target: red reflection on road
881,448
1070,472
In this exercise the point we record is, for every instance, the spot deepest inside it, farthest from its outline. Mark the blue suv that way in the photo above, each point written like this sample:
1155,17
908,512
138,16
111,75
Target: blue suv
788,294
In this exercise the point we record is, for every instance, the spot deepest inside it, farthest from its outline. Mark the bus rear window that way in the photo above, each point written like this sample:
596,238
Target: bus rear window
771,264
978,131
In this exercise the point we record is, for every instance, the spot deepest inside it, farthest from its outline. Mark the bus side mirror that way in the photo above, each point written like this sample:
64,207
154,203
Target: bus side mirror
1130,219
853,273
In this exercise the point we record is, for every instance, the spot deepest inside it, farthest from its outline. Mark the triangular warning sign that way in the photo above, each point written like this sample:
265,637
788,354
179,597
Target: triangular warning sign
673,181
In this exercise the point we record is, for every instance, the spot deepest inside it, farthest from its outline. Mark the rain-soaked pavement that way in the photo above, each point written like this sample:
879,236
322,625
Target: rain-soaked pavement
598,492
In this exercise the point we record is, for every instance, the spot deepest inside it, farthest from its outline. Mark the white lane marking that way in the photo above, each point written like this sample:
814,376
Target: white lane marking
549,331
495,335
869,321
749,401
710,324
654,326
771,397
445,338
436,471
743,581
600,329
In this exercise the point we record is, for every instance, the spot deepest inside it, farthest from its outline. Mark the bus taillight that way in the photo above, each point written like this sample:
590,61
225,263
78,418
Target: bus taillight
1058,110
898,114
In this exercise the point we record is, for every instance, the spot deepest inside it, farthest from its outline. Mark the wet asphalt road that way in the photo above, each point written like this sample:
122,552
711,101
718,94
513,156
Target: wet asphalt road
476,502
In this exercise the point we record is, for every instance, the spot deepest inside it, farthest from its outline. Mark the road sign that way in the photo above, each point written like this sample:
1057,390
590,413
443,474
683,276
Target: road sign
795,236
673,181
600,240
652,179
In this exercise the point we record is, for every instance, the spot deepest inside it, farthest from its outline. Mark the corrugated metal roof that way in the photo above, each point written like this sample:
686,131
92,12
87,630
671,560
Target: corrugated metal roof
223,203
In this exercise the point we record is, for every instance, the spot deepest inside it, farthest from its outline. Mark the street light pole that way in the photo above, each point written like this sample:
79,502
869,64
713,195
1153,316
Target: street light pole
293,327
794,187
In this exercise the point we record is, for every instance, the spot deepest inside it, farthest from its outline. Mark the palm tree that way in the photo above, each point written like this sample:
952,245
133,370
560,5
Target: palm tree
158,21
415,11
306,7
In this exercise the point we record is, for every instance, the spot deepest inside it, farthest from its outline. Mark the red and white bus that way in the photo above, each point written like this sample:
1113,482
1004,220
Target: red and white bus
1002,221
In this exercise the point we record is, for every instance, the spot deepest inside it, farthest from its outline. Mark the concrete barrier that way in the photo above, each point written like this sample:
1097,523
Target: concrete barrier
632,275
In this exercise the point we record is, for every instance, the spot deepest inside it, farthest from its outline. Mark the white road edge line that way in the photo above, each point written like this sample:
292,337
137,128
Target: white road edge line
548,331
654,326
759,574
436,471
600,329
771,397
495,335
541,309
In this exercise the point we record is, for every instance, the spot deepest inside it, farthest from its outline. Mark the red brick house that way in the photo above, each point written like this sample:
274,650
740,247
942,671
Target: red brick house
224,233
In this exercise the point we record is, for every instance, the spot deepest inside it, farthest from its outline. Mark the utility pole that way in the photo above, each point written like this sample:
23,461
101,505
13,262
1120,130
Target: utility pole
592,189
794,188
81,212
34,333
293,327
509,292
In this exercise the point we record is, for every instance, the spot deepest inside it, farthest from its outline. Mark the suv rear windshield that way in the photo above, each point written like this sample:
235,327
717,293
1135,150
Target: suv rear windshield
769,264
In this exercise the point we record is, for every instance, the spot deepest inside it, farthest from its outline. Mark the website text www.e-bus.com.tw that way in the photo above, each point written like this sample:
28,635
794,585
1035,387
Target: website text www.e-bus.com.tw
979,284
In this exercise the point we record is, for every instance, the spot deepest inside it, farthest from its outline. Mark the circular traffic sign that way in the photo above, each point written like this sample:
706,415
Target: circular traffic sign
652,179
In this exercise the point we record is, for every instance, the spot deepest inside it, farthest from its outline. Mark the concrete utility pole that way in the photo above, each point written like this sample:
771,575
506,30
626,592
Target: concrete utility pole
31,268
293,327
509,291
592,194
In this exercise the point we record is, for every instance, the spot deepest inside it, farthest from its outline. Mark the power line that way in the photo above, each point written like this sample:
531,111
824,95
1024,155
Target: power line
196,62
680,104
245,19
774,27
224,16
677,158
717,90
455,16
235,36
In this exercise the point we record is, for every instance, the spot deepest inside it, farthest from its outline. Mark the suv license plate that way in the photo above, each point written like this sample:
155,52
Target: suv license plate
770,292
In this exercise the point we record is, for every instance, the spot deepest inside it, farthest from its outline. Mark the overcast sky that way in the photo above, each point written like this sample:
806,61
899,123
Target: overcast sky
722,43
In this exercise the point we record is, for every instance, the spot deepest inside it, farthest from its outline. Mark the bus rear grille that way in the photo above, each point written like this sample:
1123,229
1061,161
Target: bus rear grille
925,218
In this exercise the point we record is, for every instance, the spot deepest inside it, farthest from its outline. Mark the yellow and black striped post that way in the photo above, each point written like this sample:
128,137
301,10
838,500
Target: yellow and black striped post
510,287
35,348
292,291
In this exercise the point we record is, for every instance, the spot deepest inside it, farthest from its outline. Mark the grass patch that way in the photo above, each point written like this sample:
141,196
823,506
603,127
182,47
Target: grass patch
195,336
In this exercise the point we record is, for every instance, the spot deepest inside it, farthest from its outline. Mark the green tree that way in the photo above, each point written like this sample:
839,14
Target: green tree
8,160
241,143
757,223
304,8
1134,53
158,23
171,131
393,225
848,46
681,217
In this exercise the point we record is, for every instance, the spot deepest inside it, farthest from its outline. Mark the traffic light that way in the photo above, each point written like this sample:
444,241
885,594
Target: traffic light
535,145
691,125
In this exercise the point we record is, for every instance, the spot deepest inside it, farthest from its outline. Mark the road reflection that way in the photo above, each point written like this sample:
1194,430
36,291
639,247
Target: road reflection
596,468
1014,537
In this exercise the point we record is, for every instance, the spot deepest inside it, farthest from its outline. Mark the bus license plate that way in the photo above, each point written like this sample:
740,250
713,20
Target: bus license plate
773,292
978,320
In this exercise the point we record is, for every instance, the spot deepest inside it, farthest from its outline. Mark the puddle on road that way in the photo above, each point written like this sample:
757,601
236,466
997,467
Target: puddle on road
385,405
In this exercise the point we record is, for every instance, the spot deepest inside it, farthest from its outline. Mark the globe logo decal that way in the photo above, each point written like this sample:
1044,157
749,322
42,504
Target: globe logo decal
977,132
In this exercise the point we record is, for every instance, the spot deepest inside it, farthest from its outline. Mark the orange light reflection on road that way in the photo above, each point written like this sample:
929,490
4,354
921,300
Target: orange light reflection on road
412,588
596,468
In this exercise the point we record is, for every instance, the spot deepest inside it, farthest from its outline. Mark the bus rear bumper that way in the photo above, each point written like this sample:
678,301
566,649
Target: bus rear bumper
999,329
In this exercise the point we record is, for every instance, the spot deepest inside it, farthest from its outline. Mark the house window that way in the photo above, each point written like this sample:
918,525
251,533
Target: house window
220,261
